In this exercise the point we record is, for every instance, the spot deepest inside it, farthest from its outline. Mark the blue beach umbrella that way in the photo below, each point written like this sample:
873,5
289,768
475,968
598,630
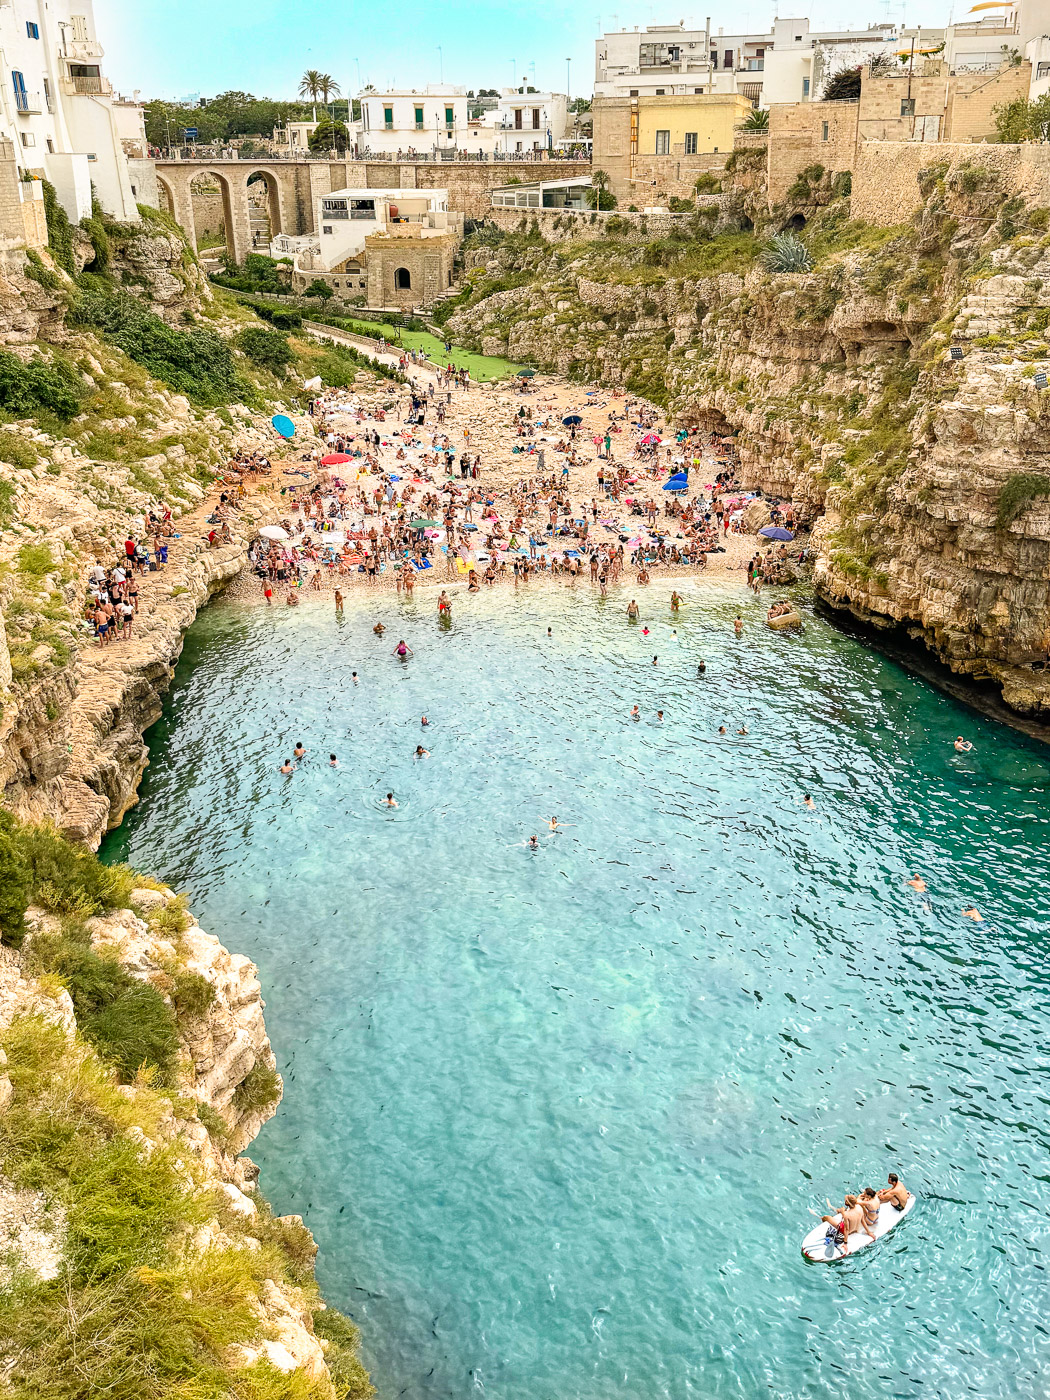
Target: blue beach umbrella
677,483
572,418
774,532
283,424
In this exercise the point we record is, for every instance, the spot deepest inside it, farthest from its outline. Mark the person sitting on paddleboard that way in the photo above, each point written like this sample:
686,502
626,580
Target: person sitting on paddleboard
869,1205
895,1193
844,1224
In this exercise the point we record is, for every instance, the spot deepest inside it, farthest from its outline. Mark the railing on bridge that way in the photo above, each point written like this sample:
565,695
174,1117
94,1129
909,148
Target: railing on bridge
200,154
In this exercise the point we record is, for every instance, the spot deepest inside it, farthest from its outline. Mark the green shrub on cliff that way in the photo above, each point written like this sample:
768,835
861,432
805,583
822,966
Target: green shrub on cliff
1018,493
197,363
15,884
267,349
41,386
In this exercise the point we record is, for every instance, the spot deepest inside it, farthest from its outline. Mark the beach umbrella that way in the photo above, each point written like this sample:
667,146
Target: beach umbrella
273,532
774,532
649,439
571,419
336,459
526,374
424,524
678,482
283,424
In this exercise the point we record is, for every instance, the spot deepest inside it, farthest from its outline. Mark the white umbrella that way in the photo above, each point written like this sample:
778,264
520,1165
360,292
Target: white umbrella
273,532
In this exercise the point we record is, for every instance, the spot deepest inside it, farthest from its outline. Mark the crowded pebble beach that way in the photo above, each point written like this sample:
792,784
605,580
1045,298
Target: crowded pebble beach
438,479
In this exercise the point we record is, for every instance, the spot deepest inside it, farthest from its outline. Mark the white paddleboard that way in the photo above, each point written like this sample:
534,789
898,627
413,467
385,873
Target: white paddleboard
818,1249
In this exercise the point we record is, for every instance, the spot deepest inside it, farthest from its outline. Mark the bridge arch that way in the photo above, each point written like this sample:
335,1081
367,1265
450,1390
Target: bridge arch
265,215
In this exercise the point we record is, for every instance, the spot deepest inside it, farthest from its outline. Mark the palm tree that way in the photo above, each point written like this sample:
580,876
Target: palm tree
310,86
757,119
327,88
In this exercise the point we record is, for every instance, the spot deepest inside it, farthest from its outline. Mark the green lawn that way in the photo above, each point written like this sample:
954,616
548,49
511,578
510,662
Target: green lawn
480,366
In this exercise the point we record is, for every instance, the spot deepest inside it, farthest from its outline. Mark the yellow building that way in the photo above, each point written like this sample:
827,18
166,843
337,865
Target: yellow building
688,126
654,147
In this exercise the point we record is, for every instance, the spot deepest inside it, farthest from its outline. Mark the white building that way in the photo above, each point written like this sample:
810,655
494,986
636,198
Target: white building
983,45
293,138
57,108
433,119
789,63
529,121
347,217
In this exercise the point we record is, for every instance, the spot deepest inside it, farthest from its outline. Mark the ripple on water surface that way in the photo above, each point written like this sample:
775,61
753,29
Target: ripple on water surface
557,1117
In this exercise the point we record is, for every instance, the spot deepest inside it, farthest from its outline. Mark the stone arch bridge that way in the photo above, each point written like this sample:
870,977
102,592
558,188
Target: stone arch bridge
292,188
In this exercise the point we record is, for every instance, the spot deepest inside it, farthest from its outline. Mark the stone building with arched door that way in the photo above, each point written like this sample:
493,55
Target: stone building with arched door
393,247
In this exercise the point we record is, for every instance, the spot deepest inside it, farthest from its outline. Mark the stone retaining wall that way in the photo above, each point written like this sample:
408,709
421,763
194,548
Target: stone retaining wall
885,176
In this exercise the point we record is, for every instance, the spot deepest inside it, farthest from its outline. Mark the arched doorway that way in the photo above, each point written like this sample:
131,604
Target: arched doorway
212,211
264,210
402,280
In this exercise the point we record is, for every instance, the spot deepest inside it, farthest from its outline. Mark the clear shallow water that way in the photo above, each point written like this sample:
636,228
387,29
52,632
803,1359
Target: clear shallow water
556,1118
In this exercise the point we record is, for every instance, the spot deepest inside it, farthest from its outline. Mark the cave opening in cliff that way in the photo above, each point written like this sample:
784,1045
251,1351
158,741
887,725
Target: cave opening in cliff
795,224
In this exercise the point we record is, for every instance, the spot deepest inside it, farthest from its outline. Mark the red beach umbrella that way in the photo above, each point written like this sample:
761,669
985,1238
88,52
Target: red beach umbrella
335,459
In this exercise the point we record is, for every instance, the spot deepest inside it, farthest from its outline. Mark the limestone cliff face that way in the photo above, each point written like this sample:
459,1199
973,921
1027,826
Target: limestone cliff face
207,1121
931,474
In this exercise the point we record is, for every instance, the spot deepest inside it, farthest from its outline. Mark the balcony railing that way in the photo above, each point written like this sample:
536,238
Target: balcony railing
28,102
93,86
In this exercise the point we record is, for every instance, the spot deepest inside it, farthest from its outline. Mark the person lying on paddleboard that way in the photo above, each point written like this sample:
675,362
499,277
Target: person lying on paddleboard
896,1193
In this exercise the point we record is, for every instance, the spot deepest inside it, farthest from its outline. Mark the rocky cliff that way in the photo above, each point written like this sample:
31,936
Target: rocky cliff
133,1239
931,473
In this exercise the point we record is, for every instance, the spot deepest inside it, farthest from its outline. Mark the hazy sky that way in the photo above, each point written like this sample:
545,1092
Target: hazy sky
262,46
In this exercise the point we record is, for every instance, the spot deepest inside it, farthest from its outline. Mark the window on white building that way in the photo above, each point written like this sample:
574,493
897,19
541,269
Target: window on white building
28,139
690,143
32,30
663,143
805,87
51,148
327,228
47,95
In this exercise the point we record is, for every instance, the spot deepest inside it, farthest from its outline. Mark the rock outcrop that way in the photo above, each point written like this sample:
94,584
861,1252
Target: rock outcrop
227,1087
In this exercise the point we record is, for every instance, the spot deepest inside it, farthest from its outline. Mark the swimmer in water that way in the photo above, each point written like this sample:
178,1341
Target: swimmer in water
632,610
421,752
389,800
299,751
549,632
645,631
333,762
722,729
424,721
379,629
635,712
353,677
660,715
918,883
534,843
973,913
403,650
674,634
655,660
338,601
676,602
701,667
742,729
807,801
738,626
287,767
962,745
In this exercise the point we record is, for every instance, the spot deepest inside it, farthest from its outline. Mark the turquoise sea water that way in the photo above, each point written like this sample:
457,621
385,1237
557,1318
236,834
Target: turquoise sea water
557,1118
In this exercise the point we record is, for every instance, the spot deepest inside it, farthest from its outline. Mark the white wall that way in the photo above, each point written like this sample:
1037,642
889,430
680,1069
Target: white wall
433,133
55,121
